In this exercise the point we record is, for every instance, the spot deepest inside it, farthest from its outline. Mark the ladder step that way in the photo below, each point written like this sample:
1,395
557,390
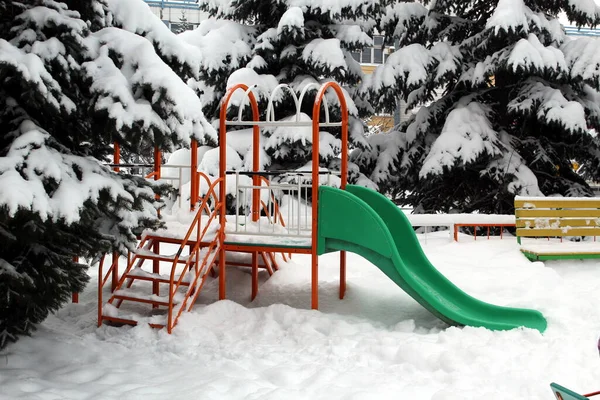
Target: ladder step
149,255
130,322
112,314
140,274
132,295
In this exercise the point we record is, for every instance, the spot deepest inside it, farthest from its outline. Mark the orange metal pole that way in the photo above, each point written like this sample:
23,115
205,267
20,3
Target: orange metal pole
223,168
254,274
194,185
344,177
156,270
314,205
114,271
315,184
100,286
156,163
116,156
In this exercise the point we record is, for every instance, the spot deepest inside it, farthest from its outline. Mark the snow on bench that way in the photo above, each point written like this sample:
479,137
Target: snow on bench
558,217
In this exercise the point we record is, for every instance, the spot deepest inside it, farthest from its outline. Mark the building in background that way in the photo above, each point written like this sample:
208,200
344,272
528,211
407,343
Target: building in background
178,15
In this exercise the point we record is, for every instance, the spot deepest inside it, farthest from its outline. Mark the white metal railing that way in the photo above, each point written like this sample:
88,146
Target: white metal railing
288,199
178,178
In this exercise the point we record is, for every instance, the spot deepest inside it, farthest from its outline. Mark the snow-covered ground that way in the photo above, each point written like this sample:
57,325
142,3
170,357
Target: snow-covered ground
377,343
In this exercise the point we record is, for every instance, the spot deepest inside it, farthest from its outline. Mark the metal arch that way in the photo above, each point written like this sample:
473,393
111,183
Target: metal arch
320,99
271,108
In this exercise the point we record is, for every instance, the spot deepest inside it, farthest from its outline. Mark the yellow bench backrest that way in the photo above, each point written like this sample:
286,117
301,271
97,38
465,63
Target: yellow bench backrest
557,217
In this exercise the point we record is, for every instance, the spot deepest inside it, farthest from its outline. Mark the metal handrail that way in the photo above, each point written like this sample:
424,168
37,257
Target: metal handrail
194,254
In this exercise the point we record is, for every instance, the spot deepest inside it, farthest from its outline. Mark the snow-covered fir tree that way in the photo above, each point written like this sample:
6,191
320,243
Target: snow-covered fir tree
70,85
183,24
298,43
503,101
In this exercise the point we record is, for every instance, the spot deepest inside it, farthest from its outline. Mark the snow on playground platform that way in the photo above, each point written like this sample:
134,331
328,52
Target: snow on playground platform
247,232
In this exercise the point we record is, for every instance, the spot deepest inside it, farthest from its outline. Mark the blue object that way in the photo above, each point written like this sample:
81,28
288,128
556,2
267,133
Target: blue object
562,393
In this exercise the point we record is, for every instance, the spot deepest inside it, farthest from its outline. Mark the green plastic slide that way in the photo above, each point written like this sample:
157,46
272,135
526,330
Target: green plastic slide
367,223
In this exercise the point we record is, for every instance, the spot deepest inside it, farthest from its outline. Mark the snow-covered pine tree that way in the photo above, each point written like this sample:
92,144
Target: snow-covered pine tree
184,24
70,85
504,101
302,42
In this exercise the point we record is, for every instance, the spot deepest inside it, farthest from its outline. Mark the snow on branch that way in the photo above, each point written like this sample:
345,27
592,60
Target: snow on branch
43,16
514,16
279,138
33,70
143,90
292,23
511,165
398,17
531,55
448,59
325,54
467,134
583,12
351,36
136,16
509,15
582,57
549,105
39,177
404,70
222,44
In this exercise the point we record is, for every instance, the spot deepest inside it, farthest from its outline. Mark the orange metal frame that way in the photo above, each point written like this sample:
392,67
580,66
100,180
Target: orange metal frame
255,250
456,226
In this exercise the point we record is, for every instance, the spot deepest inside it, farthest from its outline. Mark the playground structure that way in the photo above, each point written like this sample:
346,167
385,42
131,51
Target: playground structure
319,219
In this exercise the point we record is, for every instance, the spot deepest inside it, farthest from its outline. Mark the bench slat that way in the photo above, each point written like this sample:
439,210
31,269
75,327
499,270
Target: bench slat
537,213
549,232
533,256
558,203
557,222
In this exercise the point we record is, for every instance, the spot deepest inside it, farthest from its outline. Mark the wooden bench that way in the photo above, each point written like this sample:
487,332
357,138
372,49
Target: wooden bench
554,218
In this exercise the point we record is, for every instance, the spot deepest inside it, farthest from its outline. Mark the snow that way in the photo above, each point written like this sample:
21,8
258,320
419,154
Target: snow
374,344
530,54
210,161
329,146
410,64
136,16
293,17
220,43
264,85
466,134
583,59
509,15
324,54
117,87
534,198
31,161
524,180
31,68
351,34
403,12
557,247
550,104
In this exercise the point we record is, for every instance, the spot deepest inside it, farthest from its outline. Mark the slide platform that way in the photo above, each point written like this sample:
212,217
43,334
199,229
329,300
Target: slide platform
367,223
